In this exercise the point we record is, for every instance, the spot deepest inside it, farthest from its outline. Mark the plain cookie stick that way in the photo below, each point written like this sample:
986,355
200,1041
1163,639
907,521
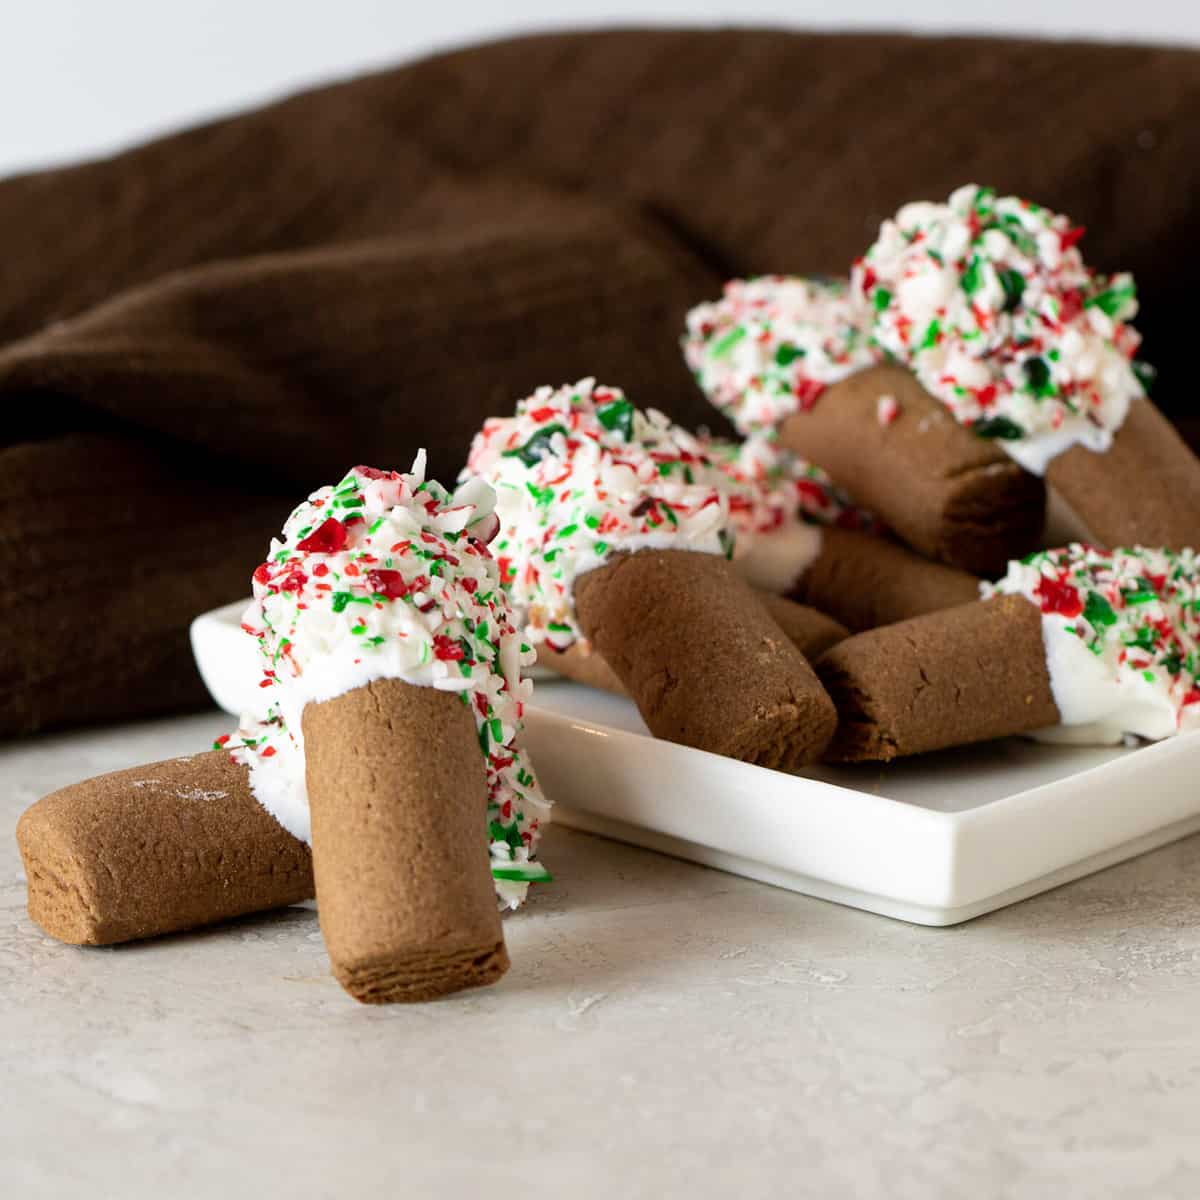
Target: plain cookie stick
404,892
156,849
949,494
810,631
702,658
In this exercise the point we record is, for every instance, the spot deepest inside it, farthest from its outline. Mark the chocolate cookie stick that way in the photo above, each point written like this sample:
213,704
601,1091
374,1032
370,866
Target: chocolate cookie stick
964,675
156,849
395,670
794,359
702,659
989,301
865,581
810,631
953,496
1077,644
615,529
1144,490
404,890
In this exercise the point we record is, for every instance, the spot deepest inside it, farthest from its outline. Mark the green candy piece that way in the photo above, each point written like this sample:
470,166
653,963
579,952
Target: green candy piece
972,279
881,299
537,447
1113,300
1013,283
541,496
1143,594
618,415
1037,375
532,872
726,342
1001,428
787,354
1097,611
1144,639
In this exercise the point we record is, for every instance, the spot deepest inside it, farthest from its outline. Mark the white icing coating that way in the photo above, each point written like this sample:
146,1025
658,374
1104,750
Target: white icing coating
385,576
775,561
580,475
771,345
990,303
1099,707
1122,638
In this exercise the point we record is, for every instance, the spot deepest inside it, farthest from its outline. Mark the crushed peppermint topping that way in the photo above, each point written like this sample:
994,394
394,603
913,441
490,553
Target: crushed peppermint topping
1137,612
988,300
770,489
887,409
772,345
580,475
386,575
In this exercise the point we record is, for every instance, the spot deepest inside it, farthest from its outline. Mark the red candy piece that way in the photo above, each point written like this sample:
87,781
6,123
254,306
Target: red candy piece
813,492
388,583
328,538
262,573
808,392
1072,305
374,473
1058,596
1072,237
447,649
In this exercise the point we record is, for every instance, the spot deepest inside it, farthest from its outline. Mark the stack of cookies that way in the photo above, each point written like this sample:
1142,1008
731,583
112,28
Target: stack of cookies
864,576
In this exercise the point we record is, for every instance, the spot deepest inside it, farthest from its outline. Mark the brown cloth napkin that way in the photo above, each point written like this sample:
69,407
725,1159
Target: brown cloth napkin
197,331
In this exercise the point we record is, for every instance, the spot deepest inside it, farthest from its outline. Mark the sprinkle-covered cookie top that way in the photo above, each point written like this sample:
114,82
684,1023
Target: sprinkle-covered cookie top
771,345
772,488
385,575
581,474
988,300
1122,633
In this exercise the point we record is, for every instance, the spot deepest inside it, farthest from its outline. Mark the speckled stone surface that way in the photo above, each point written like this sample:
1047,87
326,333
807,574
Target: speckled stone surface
664,1030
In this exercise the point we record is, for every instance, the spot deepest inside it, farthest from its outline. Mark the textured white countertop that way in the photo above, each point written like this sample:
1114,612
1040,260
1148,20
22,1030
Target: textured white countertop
664,1030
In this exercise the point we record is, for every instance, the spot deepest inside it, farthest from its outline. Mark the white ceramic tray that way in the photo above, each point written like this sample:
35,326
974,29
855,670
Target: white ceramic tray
935,840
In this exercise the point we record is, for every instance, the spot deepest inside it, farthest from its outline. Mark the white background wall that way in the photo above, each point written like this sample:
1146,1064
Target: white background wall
81,77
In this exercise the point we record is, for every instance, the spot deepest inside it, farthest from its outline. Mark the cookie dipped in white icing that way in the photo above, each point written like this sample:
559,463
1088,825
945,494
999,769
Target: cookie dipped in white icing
580,474
990,303
386,576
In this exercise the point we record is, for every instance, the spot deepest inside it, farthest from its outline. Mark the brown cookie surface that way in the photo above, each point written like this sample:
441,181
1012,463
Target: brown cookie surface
397,791
702,658
156,849
866,581
950,495
1143,491
950,678
810,631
